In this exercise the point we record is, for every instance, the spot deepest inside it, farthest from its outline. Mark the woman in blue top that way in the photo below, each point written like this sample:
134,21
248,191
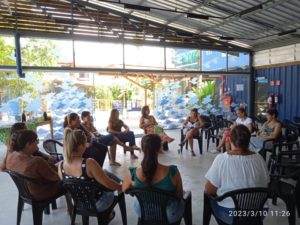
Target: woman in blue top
152,173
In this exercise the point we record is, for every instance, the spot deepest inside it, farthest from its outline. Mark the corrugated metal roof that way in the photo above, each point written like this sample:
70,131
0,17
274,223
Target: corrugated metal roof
257,28
254,24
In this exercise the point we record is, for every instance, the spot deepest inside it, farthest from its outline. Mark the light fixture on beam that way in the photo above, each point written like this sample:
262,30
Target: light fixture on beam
197,16
137,7
287,32
184,34
250,10
227,38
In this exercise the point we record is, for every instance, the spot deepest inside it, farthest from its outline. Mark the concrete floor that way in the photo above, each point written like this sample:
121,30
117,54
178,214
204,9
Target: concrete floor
192,170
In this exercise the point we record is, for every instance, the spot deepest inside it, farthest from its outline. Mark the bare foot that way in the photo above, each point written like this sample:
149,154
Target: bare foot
136,148
218,148
133,156
115,163
170,140
128,148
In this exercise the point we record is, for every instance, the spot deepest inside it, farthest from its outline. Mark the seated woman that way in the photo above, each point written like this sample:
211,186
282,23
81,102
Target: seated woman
107,140
242,119
94,150
18,127
236,169
150,126
271,130
115,126
75,166
191,127
152,173
23,146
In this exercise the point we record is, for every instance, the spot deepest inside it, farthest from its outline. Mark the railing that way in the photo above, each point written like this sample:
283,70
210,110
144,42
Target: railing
108,104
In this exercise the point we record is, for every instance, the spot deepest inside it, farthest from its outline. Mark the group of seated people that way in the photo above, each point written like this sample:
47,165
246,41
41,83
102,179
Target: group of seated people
270,130
118,134
96,143
23,157
235,169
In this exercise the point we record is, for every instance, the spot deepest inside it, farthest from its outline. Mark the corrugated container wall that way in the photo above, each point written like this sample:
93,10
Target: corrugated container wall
289,89
237,86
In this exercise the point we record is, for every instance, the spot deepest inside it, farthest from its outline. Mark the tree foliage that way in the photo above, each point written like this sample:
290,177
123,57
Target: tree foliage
35,52
6,53
114,92
206,89
38,52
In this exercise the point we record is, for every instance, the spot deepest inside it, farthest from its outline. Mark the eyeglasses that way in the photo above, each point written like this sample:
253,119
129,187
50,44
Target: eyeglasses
37,141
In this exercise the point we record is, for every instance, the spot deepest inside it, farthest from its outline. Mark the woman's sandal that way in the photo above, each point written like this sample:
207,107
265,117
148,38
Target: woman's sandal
193,153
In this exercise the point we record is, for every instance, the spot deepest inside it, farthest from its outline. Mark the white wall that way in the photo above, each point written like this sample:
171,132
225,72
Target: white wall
286,54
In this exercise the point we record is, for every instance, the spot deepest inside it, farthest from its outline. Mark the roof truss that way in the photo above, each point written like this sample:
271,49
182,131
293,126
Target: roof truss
77,18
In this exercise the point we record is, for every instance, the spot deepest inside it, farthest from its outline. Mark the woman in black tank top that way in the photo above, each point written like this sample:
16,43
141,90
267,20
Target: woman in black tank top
191,129
75,166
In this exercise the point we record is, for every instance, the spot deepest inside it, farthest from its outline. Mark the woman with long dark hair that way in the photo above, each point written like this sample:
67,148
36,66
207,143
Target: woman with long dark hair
93,150
154,174
107,140
115,126
191,127
150,126
271,130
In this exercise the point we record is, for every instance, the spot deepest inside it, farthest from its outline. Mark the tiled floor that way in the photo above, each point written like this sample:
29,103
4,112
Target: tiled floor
192,171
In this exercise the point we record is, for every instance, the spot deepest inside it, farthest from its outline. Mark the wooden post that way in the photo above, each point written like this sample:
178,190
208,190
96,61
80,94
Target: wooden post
145,96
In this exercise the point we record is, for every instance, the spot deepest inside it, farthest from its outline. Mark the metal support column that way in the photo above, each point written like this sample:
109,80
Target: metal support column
18,55
251,87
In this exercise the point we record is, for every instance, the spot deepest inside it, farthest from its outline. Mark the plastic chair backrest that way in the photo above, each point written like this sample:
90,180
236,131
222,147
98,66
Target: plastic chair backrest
153,203
85,194
250,202
21,183
50,146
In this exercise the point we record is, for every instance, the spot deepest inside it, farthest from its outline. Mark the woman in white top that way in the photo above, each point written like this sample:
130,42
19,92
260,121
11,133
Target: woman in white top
242,119
236,169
